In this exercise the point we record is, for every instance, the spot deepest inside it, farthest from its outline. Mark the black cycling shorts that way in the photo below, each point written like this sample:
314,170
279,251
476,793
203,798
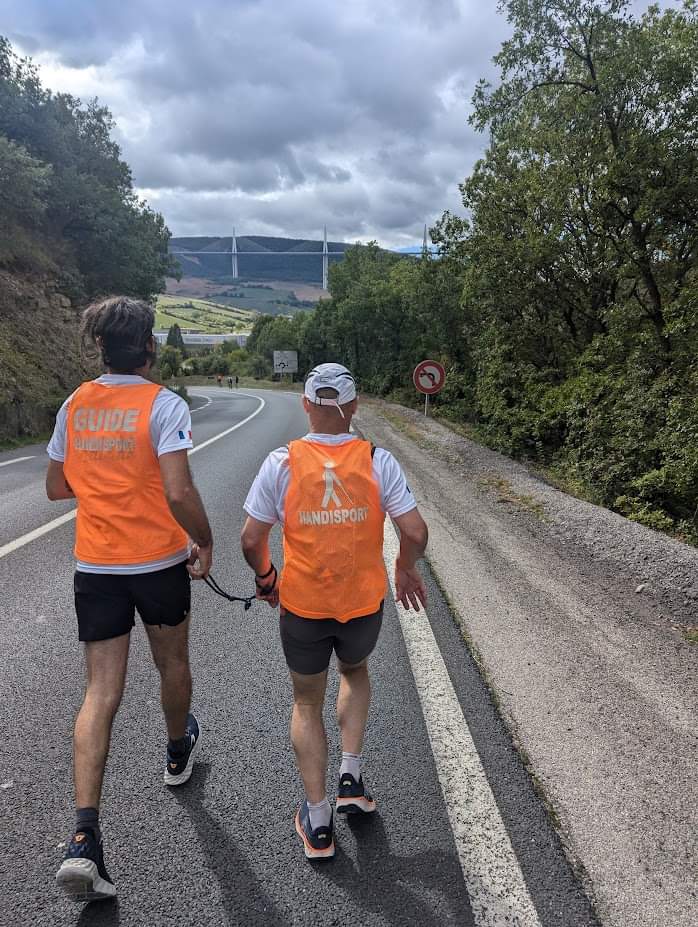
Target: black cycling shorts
308,642
106,603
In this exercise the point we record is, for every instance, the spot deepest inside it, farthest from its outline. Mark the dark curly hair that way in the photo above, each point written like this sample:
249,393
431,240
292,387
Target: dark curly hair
121,329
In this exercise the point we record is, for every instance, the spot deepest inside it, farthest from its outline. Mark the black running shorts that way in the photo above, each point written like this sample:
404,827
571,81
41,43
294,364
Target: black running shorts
308,642
106,602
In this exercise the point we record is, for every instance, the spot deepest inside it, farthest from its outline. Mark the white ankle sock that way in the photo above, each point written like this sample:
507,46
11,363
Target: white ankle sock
351,763
320,813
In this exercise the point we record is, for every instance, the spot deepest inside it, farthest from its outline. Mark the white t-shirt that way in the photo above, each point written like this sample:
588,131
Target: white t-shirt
267,495
170,430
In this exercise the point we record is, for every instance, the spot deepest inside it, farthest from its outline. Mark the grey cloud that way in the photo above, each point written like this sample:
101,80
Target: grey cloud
279,117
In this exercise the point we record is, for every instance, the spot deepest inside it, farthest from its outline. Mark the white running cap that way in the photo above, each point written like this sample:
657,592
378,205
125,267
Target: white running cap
332,376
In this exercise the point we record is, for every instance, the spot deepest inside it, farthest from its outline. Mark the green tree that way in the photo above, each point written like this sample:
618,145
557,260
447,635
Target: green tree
175,339
83,211
170,358
581,250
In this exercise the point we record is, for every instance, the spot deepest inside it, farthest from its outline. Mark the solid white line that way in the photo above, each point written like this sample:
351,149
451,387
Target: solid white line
493,878
201,408
228,431
69,516
7,463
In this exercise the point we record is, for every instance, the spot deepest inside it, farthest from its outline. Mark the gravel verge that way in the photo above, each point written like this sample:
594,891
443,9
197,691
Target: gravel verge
582,625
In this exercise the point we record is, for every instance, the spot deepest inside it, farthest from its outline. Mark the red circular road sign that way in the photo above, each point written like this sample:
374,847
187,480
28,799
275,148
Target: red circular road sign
429,377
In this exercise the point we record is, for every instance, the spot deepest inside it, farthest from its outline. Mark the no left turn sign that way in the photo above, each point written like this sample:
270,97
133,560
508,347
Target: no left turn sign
429,377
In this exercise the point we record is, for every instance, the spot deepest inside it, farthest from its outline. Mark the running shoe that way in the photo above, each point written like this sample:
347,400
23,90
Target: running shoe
83,875
353,797
318,843
178,767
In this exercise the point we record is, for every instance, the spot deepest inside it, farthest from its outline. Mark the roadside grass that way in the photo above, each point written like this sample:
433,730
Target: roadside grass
507,496
410,430
245,383
11,444
690,635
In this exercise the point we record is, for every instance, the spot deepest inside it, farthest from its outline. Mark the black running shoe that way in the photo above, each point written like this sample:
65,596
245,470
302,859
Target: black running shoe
353,797
178,768
83,875
318,843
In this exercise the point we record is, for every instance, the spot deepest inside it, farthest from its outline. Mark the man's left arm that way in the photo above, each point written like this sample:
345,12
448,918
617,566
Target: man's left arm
255,549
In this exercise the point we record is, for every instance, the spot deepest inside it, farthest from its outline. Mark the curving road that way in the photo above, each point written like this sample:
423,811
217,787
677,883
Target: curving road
460,838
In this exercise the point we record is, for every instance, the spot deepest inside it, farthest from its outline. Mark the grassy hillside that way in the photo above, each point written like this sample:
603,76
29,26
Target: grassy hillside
202,315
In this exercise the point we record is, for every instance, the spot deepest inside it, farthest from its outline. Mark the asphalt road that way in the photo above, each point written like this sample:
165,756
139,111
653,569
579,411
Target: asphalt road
223,850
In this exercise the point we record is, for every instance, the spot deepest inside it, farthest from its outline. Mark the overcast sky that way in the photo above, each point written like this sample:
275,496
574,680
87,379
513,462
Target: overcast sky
278,116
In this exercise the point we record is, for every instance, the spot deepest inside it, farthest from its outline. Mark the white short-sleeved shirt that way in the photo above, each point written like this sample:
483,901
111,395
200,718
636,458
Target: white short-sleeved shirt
170,430
267,495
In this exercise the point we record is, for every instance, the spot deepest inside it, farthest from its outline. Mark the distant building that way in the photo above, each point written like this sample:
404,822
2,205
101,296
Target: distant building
204,339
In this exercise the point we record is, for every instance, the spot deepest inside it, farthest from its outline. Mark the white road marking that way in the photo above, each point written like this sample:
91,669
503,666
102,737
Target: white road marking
6,463
201,408
493,878
37,533
11,546
228,431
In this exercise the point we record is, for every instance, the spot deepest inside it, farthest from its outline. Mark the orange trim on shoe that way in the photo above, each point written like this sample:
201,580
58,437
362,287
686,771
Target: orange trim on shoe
312,852
358,802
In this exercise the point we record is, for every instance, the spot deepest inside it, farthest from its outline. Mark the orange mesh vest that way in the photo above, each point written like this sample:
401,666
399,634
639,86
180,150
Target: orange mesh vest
110,464
333,532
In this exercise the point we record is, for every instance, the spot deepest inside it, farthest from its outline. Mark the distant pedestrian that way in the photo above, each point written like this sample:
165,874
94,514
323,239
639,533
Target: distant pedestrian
230,382
219,379
331,491
237,380
120,449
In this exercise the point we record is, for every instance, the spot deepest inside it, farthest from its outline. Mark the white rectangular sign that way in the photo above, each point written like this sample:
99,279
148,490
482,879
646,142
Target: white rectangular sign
285,361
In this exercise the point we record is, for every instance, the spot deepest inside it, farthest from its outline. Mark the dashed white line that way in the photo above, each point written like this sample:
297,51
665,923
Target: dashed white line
6,463
69,516
496,886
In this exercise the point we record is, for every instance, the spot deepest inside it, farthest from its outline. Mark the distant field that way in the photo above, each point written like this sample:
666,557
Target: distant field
270,297
201,315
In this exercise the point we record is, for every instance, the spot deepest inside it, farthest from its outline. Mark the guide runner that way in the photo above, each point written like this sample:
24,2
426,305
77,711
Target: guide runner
120,448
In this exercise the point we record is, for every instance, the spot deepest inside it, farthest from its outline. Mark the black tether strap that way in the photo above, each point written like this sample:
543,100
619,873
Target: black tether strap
213,585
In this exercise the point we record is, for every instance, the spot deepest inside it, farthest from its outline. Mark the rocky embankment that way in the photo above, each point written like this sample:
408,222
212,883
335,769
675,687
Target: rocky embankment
39,354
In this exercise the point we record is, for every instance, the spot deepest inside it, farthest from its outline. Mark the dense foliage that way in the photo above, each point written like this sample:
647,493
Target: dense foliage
566,307
66,197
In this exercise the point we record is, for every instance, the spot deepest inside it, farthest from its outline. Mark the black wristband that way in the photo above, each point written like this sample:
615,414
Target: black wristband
271,569
267,590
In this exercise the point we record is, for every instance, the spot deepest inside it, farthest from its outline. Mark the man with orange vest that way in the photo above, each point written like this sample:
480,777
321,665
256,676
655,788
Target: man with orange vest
331,491
120,449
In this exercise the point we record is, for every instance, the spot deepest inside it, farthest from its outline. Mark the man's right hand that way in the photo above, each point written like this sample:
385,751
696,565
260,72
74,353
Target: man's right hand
409,587
203,554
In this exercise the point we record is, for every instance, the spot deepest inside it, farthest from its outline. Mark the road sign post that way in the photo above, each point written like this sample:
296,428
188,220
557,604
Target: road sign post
286,362
428,378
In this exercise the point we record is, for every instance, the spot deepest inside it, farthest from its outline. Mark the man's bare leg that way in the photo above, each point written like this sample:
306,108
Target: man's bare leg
308,733
170,649
353,701
106,671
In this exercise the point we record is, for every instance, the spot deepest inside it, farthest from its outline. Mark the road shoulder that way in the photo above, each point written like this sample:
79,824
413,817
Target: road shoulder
595,681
